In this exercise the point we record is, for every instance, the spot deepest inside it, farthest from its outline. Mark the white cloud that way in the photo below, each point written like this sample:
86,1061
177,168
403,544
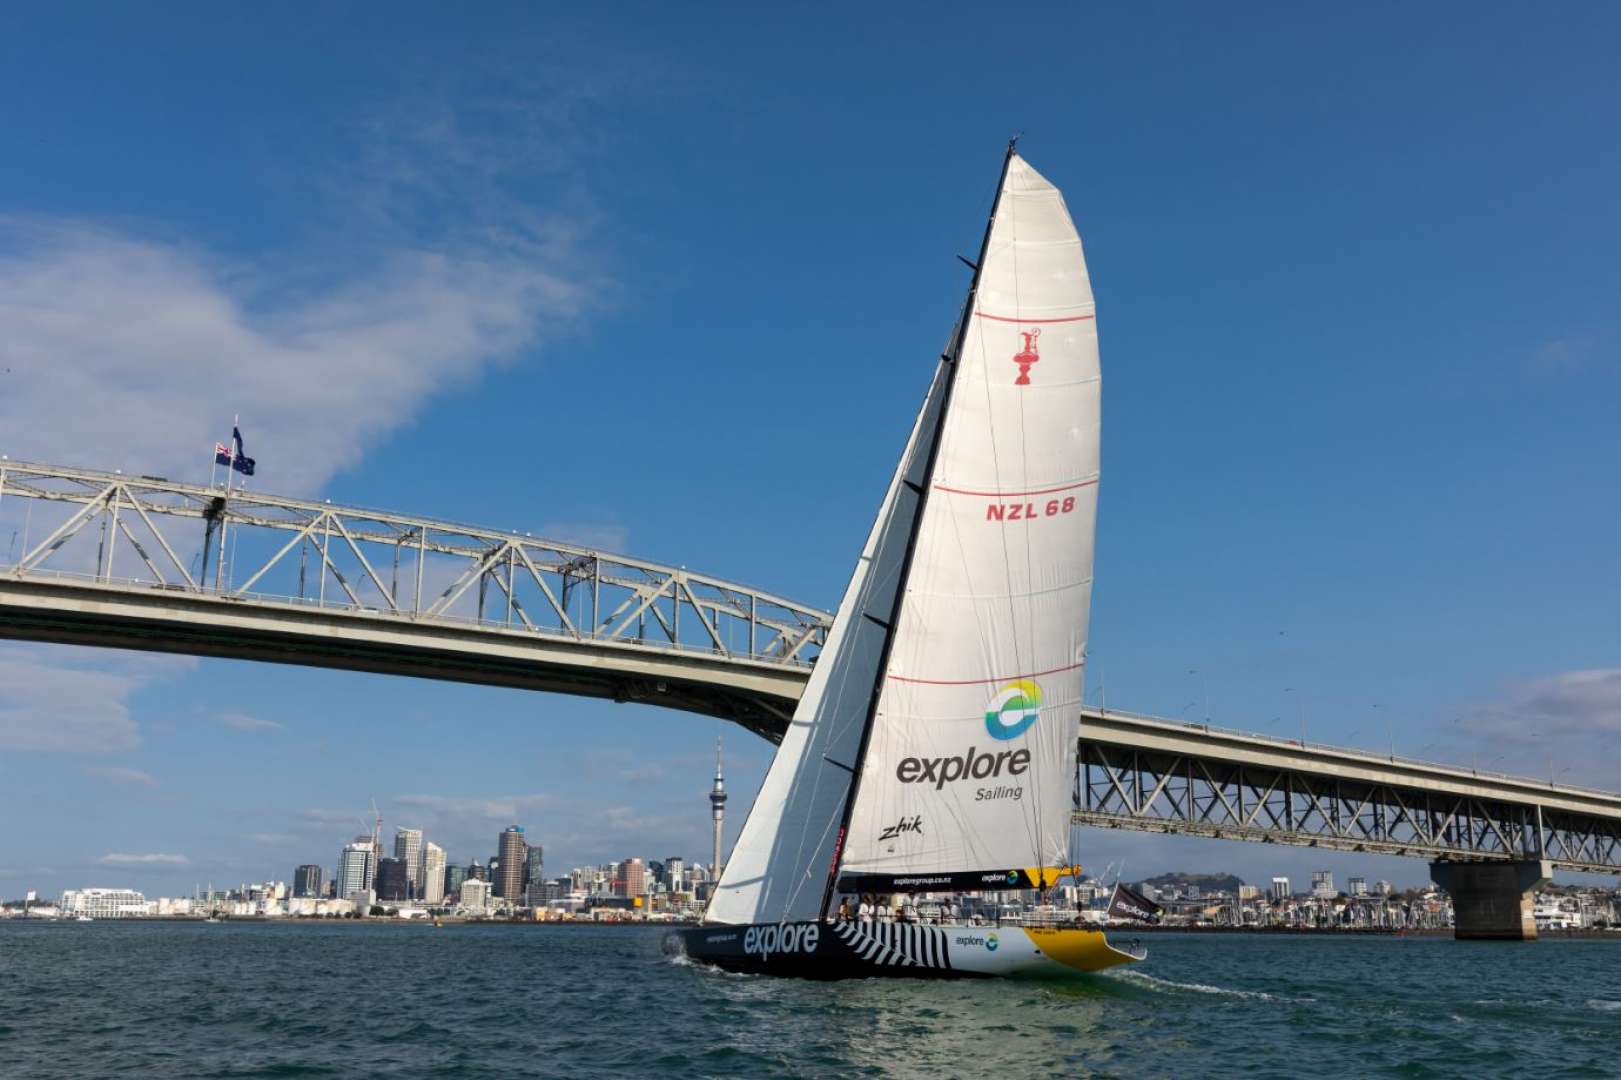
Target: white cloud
506,808
1572,703
599,536
243,722
1565,726
74,699
348,821
120,775
121,859
133,352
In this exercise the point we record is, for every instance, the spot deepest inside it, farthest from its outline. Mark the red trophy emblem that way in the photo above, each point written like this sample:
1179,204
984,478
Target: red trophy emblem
1027,356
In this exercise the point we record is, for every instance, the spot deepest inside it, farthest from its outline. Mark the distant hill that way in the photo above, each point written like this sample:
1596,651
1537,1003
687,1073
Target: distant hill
1227,883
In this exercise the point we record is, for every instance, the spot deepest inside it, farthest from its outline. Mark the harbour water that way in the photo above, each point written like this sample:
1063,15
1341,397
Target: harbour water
346,999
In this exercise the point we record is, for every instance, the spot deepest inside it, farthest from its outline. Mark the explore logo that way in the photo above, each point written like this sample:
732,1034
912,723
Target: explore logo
762,941
1014,708
989,941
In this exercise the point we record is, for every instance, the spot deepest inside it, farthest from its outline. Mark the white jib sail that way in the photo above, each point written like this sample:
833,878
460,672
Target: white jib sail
970,765
779,867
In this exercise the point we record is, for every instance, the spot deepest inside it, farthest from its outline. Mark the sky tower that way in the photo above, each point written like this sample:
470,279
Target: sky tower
717,803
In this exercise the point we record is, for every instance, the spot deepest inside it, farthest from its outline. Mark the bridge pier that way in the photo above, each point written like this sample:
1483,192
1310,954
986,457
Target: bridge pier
1491,901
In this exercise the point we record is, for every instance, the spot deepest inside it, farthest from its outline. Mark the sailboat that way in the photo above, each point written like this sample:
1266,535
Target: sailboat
934,747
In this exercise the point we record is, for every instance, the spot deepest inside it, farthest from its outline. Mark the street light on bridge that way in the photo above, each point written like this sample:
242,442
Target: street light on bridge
1300,698
1205,685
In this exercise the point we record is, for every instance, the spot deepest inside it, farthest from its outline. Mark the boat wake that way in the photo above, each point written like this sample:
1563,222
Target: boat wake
1603,1005
1171,986
681,959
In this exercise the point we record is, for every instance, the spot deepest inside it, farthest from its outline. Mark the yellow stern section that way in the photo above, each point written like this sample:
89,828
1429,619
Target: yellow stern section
1083,950
1045,877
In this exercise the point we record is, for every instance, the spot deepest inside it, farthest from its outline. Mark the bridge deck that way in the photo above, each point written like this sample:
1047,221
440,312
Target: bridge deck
148,563
1145,773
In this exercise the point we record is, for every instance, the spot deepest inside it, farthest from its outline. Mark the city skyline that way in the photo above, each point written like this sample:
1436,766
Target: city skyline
1353,411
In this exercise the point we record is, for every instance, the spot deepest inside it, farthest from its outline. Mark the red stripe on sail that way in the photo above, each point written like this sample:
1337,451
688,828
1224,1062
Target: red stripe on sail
976,682
1004,318
1014,494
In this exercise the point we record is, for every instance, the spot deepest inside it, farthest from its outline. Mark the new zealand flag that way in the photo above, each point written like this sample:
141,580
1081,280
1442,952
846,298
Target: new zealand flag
236,459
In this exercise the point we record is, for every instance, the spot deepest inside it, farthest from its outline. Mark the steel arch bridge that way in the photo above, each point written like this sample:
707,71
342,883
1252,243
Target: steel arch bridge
97,558
144,562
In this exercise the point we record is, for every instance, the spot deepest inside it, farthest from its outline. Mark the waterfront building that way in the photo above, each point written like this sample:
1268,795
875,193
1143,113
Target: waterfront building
392,883
308,881
433,873
1280,888
454,876
1322,884
550,891
509,875
1357,886
408,850
357,867
104,903
475,896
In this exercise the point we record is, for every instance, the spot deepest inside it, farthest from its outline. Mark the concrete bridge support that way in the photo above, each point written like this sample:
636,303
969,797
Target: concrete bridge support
1491,901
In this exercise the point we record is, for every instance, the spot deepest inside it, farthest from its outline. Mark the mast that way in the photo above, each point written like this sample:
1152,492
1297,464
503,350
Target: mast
951,358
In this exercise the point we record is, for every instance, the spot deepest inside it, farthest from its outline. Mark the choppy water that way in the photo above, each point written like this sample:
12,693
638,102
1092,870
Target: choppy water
247,1000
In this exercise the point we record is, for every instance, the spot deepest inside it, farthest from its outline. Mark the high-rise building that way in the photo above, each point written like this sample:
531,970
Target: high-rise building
1322,884
717,805
408,850
308,881
1280,888
392,883
673,872
476,896
357,867
454,876
476,872
534,866
1383,887
509,874
433,873
1357,886
634,876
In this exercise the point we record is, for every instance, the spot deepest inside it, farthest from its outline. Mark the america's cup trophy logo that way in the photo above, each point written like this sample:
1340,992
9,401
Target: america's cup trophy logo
1027,355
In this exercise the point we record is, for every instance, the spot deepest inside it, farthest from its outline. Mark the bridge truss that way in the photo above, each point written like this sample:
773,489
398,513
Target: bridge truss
1315,805
180,545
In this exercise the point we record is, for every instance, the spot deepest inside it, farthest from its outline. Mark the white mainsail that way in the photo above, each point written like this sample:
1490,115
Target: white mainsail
954,712
968,774
780,865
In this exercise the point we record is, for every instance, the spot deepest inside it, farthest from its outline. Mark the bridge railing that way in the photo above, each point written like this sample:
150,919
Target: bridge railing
1202,789
148,533
1451,769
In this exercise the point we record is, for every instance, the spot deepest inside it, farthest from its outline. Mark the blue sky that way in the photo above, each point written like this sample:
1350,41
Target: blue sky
676,280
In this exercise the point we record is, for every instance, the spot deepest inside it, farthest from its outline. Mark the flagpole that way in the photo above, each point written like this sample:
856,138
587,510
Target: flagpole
219,562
